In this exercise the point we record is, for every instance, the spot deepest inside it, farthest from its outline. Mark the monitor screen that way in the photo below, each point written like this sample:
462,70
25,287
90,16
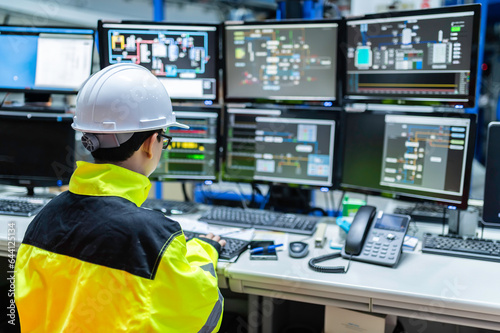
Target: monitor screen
193,153
184,57
279,146
425,56
419,156
45,59
491,207
37,149
280,61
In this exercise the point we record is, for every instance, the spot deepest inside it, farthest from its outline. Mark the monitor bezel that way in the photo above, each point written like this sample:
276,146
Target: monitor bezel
104,60
326,102
31,181
396,193
286,112
415,99
489,201
51,90
215,179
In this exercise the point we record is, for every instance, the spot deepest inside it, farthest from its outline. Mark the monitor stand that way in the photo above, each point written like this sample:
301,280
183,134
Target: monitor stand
290,199
463,222
37,98
31,191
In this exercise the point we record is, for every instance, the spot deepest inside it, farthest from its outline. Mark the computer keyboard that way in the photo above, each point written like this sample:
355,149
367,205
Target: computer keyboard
171,207
261,219
21,206
424,212
234,247
34,108
458,246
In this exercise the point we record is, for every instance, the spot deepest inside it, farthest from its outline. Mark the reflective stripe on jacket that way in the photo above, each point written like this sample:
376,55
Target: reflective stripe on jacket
93,261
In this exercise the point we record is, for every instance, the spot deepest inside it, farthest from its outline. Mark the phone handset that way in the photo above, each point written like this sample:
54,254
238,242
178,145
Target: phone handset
359,229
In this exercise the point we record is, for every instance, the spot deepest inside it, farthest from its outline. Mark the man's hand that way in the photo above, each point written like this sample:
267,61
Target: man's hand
216,238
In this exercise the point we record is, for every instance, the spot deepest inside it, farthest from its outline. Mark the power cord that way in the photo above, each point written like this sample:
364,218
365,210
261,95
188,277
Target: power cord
242,196
184,192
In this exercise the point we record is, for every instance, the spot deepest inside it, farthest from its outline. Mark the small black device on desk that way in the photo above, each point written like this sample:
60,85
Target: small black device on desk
266,250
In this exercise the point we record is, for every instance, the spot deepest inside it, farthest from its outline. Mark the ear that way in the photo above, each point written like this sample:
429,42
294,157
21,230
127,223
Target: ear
148,145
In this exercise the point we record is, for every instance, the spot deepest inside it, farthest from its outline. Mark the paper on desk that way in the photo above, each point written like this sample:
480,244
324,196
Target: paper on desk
238,233
205,228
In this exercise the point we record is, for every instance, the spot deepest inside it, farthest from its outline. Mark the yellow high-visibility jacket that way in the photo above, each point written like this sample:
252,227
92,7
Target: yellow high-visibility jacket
94,261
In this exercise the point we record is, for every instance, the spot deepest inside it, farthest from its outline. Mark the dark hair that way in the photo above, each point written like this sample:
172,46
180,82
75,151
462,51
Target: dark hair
126,149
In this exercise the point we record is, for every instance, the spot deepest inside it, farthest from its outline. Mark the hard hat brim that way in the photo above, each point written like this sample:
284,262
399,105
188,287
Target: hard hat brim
177,124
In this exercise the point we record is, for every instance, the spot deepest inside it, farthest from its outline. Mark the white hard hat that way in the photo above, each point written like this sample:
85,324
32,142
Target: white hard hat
122,99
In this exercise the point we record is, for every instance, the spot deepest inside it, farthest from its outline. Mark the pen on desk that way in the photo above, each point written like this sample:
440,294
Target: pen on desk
267,249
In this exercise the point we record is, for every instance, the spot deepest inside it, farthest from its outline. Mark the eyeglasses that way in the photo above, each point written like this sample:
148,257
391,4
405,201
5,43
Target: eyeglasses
166,140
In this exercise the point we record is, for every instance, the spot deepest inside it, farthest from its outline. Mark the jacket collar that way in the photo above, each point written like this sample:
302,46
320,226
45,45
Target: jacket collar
109,180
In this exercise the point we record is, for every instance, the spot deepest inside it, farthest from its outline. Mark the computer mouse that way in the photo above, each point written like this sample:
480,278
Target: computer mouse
298,249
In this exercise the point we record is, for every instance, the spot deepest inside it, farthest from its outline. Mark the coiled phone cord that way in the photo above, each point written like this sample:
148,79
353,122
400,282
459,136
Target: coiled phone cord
313,264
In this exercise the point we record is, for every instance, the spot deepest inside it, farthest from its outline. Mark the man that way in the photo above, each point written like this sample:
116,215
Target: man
94,261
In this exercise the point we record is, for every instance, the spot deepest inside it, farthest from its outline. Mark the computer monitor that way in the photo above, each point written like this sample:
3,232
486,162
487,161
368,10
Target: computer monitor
418,156
288,61
193,153
491,206
426,57
185,57
37,149
45,60
280,147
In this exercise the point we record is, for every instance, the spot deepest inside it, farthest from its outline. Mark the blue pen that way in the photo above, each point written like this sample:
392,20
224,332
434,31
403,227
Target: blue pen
268,249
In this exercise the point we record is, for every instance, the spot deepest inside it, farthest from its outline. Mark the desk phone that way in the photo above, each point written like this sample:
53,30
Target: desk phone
376,238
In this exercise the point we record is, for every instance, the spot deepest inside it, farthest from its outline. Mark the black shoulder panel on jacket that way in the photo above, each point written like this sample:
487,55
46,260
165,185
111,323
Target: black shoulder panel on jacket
108,231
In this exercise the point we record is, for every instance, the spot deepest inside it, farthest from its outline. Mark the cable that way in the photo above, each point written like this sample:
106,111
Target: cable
327,202
313,209
412,219
340,203
266,199
334,213
184,191
242,196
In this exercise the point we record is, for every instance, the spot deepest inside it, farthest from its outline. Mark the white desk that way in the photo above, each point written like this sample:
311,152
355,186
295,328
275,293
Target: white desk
423,286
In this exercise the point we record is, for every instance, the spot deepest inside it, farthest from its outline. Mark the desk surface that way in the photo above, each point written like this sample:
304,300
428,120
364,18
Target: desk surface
422,286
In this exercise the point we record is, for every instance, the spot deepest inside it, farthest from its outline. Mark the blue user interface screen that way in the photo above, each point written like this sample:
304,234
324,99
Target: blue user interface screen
45,59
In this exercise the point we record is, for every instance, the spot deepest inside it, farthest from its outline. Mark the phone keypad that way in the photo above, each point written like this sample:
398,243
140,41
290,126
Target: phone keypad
382,245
